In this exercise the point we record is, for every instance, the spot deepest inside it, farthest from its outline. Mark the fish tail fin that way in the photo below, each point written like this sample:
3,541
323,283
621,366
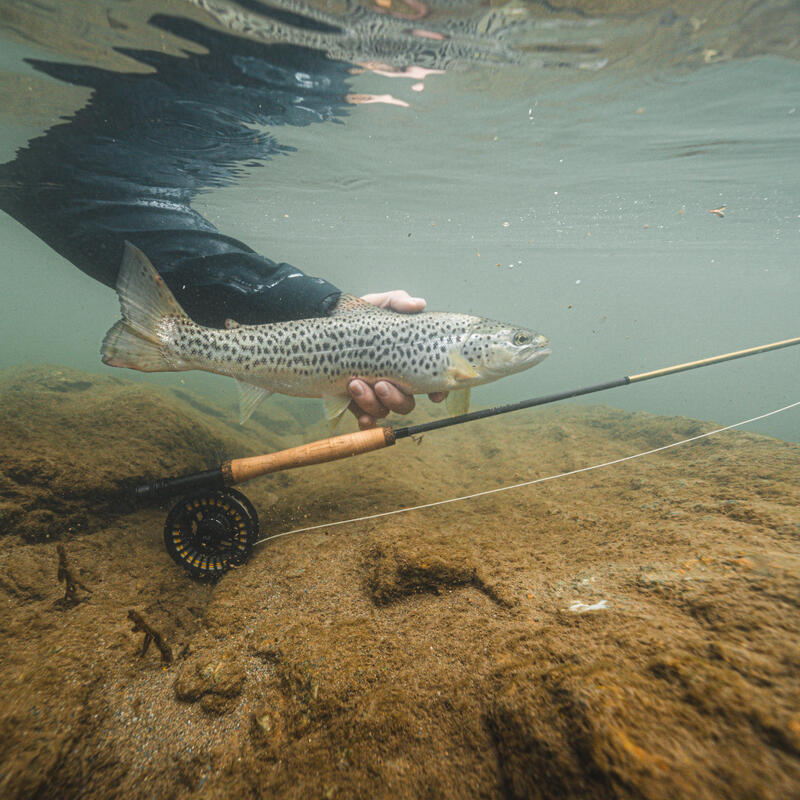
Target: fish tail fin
145,300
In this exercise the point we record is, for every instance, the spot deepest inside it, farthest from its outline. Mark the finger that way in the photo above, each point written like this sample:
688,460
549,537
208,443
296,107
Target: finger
397,300
393,398
365,421
437,397
364,397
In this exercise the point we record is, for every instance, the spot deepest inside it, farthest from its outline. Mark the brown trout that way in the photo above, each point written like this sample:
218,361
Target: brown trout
317,357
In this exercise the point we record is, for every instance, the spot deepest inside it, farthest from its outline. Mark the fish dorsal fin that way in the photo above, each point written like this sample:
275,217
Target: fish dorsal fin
460,369
231,324
458,402
348,303
335,405
249,398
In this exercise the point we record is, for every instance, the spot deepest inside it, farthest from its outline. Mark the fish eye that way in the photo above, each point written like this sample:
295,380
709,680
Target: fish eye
521,338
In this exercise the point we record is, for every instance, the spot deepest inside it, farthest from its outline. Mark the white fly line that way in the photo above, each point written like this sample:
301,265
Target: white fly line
528,483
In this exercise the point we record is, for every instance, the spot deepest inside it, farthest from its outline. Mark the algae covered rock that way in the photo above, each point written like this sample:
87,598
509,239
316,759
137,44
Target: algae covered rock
215,679
74,444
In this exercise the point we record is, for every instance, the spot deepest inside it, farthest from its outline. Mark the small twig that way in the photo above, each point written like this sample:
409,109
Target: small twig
150,635
72,584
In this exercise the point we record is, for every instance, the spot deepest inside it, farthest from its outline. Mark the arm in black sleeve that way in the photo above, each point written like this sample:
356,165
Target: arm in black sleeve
126,167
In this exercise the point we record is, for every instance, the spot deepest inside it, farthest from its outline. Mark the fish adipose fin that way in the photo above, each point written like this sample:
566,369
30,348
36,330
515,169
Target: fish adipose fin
145,300
457,402
335,405
249,398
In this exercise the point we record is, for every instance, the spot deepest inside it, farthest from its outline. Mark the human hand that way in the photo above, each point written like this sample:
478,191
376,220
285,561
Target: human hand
373,402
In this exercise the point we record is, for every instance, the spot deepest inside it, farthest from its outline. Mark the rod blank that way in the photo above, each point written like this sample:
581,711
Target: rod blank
706,362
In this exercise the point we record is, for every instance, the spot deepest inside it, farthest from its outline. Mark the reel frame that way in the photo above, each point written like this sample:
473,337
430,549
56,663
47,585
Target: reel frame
210,531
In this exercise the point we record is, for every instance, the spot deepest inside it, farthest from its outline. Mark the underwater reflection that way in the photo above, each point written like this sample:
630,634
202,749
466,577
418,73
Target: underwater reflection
127,166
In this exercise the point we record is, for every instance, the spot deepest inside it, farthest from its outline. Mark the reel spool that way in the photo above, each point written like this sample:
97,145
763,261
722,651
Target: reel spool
209,532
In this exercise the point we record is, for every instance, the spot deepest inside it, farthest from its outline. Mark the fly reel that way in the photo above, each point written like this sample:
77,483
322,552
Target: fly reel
210,531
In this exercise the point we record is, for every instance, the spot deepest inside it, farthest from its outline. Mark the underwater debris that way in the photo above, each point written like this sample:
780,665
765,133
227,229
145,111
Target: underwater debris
215,679
150,635
71,583
581,608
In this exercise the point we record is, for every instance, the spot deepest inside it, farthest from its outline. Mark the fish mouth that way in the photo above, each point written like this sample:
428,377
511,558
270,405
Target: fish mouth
539,349
536,355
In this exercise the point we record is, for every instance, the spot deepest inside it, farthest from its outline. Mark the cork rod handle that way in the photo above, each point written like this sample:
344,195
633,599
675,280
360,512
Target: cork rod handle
349,444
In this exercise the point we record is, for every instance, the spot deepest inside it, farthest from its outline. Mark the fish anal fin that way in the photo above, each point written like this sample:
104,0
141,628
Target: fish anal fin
231,324
457,402
249,398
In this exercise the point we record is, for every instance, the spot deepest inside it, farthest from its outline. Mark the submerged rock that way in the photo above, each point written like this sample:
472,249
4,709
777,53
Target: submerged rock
74,444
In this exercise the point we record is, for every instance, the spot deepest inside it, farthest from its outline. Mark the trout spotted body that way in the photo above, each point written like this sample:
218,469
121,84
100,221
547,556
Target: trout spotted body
318,357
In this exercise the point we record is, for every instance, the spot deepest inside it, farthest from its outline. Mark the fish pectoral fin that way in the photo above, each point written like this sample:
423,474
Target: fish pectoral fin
335,405
249,398
460,369
231,324
457,402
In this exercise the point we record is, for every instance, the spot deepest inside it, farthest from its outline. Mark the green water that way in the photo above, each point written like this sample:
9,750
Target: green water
574,201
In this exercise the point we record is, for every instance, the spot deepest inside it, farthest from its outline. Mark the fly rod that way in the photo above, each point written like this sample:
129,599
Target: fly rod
240,470
215,527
